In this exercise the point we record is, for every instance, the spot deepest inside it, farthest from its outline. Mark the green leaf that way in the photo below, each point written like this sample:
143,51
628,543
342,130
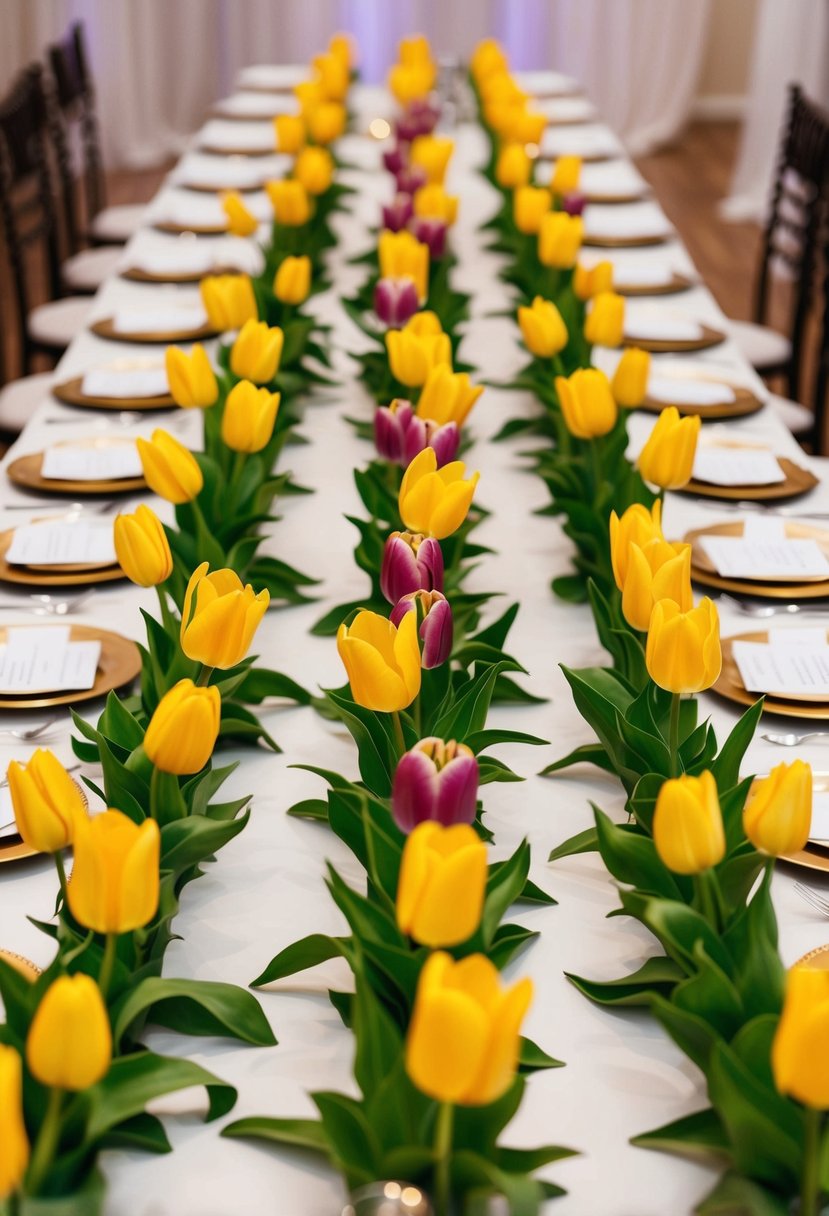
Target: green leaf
658,975
203,1007
698,1135
299,1133
735,1195
299,956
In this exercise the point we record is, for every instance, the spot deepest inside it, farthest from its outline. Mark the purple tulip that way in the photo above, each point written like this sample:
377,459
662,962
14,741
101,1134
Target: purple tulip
395,159
432,232
437,781
435,615
410,563
420,118
395,301
410,178
573,203
400,435
397,213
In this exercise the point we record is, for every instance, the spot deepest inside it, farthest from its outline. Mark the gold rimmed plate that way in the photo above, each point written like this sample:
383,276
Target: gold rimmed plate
204,188
119,664
26,473
672,287
665,346
71,393
136,275
627,242
175,228
216,150
704,572
69,575
730,686
105,328
24,965
745,402
798,481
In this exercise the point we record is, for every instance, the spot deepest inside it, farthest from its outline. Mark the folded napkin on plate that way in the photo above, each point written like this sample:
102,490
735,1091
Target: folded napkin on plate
258,136
565,109
546,81
126,381
258,105
46,660
91,462
583,140
160,320
662,329
62,542
674,390
228,173
179,257
625,220
611,177
272,75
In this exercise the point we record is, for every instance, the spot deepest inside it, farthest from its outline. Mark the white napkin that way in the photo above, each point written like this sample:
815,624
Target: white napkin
45,660
565,109
675,391
663,329
611,177
625,220
237,136
258,105
179,257
125,378
229,172
583,140
272,75
62,542
546,82
645,274
91,462
726,466
161,320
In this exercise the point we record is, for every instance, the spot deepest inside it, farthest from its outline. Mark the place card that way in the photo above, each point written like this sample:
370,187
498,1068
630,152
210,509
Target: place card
91,462
662,329
160,320
675,391
765,552
728,466
126,378
46,660
62,542
800,672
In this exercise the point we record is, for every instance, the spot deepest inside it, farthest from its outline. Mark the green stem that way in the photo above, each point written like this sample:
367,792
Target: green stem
673,733
46,1143
417,714
204,676
810,1176
170,626
443,1158
596,465
107,963
708,898
61,869
398,732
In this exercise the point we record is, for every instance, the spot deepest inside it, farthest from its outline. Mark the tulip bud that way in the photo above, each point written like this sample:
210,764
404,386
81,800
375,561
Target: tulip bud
412,356
435,781
415,49
488,57
440,892
434,614
566,175
688,827
573,203
326,122
170,470
410,82
289,130
397,214
381,661
291,202
777,817
142,548
630,380
410,563
683,652
799,1045
659,571
240,222
191,378
228,300
333,75
605,321
395,159
419,118
432,153
542,328
513,168
314,170
667,459
592,282
395,301
432,202
435,501
526,126
249,416
46,802
256,352
292,281
399,434
15,1155
220,617
69,1044
410,179
559,240
115,879
183,730
400,256
447,396
340,45
464,1036
587,403
529,206
310,94
637,526
431,233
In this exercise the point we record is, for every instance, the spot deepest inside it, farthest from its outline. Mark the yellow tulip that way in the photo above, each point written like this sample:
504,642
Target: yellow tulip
310,95
292,281
659,571
434,203
606,320
440,893
332,73
432,153
220,617
503,87
435,501
410,82
513,168
630,380
566,175
46,802
291,204
170,470
587,403
593,282
542,328
799,1060
15,1155
249,417
228,300
687,825
69,1045
191,378
525,126
142,548
412,356
637,526
500,116
115,876
402,256
326,123
256,352
341,47
529,206
447,396
382,661
778,813
314,170
240,222
415,49
667,459
488,57
464,1037
184,728
559,239
424,324
683,650
289,130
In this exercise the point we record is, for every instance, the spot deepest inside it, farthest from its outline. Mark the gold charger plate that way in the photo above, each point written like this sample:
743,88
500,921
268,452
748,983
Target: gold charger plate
595,196
136,275
819,957
702,569
24,965
106,329
626,242
745,402
676,284
213,150
26,472
119,664
203,188
174,228
70,393
659,346
798,481
52,576
730,686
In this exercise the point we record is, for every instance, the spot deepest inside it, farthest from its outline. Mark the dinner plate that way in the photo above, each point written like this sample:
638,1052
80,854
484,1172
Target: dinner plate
105,328
730,686
632,241
703,571
71,393
26,472
798,481
136,275
23,965
673,285
176,228
660,346
71,574
745,402
119,664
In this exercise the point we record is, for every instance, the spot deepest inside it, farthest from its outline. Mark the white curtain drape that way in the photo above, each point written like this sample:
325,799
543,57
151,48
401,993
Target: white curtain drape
791,46
159,63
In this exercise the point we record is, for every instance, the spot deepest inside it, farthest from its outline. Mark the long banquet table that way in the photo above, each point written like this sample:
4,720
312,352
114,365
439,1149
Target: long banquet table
623,1075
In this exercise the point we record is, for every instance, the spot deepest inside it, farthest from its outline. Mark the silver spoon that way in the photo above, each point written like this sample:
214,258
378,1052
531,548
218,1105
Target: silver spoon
792,739
762,611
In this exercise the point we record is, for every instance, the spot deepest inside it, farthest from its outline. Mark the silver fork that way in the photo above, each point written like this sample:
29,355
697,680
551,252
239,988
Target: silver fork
749,504
763,611
33,732
819,902
792,739
123,417
68,508
45,606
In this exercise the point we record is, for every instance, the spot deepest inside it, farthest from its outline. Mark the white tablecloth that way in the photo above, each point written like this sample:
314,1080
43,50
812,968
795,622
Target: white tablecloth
623,1075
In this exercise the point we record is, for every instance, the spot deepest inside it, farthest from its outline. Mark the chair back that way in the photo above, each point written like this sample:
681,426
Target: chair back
75,97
